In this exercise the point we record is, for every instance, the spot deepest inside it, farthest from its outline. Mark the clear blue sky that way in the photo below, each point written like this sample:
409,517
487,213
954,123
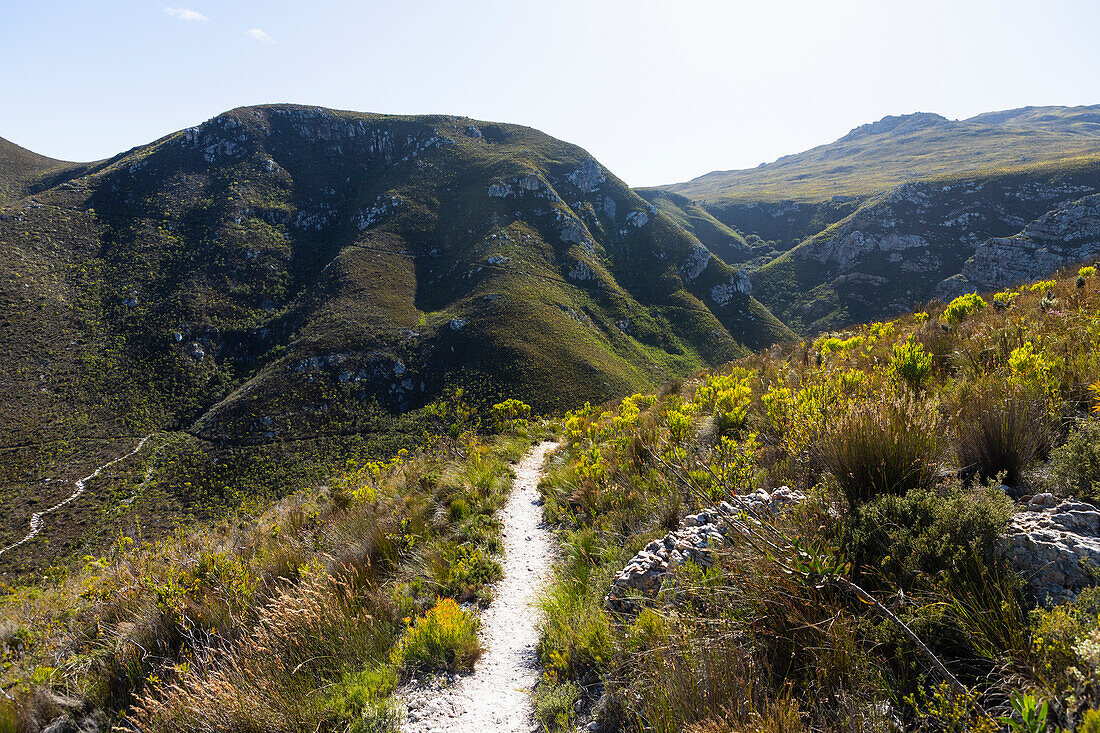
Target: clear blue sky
657,91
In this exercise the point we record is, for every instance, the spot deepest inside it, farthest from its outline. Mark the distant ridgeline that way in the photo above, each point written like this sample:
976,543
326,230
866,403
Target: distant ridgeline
907,209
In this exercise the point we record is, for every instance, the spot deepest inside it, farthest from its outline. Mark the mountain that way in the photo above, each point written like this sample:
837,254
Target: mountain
936,239
21,171
911,208
896,149
282,272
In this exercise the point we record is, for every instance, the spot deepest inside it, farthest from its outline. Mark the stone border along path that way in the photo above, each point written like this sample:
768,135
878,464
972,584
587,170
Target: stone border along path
497,695
81,484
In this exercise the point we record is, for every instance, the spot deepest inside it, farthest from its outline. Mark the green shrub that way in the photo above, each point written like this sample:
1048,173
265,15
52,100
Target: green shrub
1001,430
929,532
463,572
554,705
443,639
888,447
1090,722
361,700
962,307
911,363
1075,466
577,636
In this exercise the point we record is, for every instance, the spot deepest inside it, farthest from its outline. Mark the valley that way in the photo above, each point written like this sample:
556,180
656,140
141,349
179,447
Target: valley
425,422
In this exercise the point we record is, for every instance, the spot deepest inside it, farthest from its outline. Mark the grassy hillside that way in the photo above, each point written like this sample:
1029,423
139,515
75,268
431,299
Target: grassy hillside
302,615
23,172
294,276
901,435
896,149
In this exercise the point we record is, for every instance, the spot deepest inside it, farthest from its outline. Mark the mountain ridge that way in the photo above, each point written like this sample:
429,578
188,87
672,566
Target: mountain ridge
924,144
284,272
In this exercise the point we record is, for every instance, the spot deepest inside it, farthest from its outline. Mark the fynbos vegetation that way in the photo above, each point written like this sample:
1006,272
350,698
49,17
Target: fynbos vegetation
862,580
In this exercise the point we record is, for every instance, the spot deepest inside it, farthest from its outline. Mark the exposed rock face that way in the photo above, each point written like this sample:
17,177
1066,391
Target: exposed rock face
1055,546
581,271
1064,236
691,542
588,177
696,261
930,239
723,292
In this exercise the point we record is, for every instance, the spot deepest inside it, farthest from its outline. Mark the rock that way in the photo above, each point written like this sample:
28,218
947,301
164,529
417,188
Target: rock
1039,502
1055,548
456,324
588,177
723,293
696,261
645,573
1063,236
472,131
63,724
581,271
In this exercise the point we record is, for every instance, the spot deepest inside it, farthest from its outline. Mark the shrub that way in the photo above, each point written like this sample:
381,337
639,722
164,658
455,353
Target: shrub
577,636
554,705
510,414
911,363
962,307
363,699
883,448
1075,466
1001,430
928,532
462,571
443,639
1042,285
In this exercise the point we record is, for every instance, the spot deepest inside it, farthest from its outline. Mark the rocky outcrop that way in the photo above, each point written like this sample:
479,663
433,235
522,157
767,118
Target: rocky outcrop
1055,546
1065,236
739,282
692,541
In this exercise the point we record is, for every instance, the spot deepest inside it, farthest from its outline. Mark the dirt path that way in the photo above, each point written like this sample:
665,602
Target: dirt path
496,697
81,484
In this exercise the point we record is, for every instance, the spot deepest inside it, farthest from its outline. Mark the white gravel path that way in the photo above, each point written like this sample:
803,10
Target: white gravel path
496,696
81,484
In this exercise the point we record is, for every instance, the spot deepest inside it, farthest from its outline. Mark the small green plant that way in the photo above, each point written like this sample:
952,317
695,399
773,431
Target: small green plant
962,307
443,639
911,363
1090,722
554,705
1032,714
363,699
1075,465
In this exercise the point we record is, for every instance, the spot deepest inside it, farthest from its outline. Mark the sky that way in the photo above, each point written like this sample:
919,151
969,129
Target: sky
657,91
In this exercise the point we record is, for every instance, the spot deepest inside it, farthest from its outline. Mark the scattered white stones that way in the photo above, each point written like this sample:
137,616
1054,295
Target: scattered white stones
644,575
